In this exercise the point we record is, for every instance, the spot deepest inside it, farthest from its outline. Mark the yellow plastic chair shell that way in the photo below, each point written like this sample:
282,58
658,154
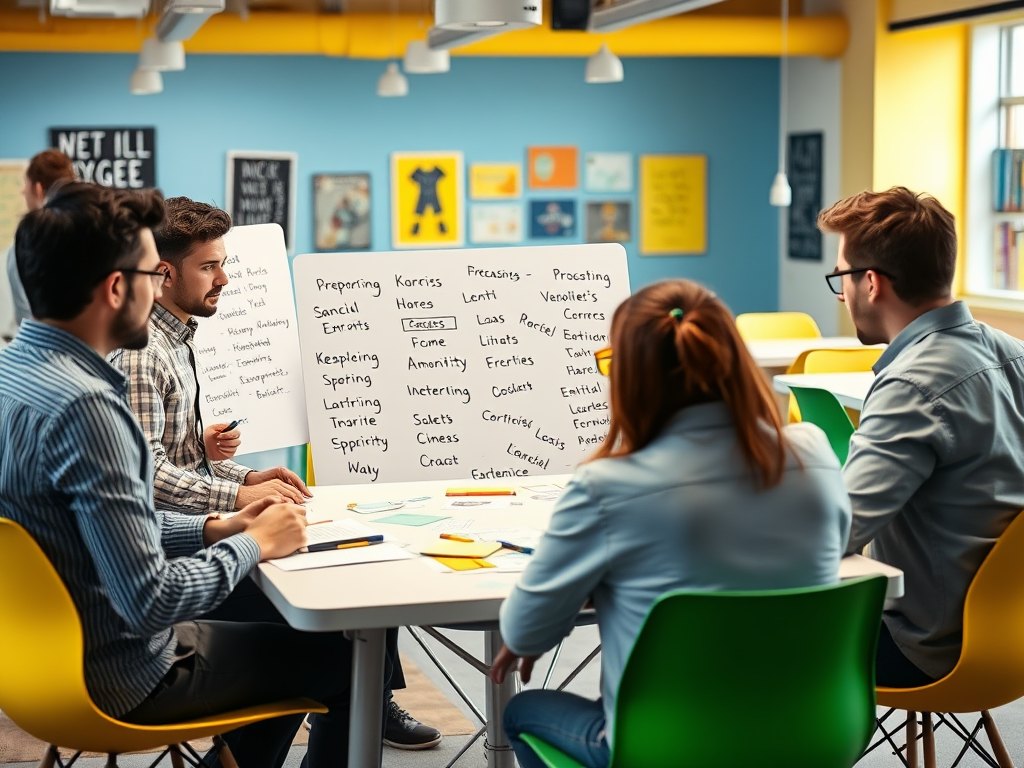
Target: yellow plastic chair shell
990,672
310,476
755,326
848,360
42,681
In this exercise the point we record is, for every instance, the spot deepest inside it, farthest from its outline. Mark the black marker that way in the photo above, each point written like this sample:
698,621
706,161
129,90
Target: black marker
229,427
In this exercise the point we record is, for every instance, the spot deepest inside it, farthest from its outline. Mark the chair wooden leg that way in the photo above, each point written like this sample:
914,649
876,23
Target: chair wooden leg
227,760
111,760
929,740
998,748
912,739
174,750
49,758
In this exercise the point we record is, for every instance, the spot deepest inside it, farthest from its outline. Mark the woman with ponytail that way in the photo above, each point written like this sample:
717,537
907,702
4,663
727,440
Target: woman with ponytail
698,485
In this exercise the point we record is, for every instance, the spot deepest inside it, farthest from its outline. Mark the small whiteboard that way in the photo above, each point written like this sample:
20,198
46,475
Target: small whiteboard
443,365
247,355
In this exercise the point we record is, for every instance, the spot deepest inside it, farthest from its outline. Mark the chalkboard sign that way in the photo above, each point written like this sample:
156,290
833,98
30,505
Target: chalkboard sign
805,151
261,190
114,157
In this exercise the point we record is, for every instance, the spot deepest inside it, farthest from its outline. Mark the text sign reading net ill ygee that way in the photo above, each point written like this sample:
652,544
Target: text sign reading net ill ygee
124,158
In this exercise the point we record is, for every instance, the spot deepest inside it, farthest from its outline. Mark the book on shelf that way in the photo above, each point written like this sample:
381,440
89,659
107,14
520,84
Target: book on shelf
1008,180
1007,254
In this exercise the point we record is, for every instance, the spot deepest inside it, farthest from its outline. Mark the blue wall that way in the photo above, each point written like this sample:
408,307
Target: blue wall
327,111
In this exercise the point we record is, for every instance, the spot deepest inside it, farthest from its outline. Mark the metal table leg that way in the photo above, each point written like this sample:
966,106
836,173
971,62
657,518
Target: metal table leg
367,698
496,746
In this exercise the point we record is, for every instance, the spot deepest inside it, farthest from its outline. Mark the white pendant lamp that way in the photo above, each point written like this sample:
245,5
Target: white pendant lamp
604,67
159,56
421,59
392,82
487,14
781,194
145,82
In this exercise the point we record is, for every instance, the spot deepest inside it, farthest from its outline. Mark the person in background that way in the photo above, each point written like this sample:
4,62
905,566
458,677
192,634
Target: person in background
696,486
936,467
193,470
44,170
140,578
193,463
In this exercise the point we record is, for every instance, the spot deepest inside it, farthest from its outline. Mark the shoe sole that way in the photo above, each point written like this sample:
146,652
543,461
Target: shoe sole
411,747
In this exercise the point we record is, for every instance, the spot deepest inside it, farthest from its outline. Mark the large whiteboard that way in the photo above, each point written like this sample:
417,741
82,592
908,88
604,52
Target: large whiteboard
247,355
456,364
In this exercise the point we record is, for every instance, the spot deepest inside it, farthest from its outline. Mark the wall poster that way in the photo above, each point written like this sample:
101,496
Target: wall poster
804,171
673,204
341,211
426,200
113,157
261,190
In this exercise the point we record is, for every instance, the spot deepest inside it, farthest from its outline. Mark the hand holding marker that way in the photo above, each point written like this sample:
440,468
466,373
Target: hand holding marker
229,427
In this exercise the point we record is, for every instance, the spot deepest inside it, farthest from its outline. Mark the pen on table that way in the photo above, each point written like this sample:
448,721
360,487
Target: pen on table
346,545
516,547
319,522
229,427
453,537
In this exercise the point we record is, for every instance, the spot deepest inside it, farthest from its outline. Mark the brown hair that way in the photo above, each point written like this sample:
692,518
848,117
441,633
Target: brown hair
666,360
909,237
49,167
188,224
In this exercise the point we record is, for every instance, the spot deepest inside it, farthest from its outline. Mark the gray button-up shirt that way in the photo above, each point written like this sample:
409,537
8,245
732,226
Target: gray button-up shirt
936,470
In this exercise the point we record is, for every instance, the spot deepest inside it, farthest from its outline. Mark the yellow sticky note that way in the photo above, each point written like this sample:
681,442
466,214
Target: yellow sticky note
464,563
448,548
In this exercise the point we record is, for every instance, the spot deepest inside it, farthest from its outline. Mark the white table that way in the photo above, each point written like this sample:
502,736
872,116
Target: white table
850,389
365,599
780,353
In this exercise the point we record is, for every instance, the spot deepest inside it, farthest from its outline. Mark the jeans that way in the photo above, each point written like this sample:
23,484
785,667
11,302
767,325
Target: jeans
892,668
571,723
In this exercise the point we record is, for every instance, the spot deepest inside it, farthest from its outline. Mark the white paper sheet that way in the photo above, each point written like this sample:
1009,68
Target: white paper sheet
377,553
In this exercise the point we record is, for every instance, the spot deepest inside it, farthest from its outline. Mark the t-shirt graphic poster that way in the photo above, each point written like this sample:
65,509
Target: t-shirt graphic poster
427,200
443,365
247,355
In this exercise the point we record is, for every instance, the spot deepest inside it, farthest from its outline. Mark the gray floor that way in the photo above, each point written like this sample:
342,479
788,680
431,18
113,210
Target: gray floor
1010,719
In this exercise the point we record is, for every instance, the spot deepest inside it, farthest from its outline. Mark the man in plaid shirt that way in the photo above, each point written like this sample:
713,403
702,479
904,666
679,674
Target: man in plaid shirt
193,467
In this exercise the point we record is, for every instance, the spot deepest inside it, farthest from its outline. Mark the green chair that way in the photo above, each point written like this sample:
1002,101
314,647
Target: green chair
820,407
721,680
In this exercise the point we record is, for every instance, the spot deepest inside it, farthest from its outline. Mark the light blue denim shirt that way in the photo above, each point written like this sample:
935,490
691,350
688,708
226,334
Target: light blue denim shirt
936,470
682,513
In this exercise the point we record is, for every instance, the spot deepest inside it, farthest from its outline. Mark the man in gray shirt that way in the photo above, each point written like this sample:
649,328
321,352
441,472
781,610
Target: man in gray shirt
44,170
936,466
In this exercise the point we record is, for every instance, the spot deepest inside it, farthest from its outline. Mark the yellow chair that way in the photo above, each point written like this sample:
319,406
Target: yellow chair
849,360
310,477
42,682
990,672
756,326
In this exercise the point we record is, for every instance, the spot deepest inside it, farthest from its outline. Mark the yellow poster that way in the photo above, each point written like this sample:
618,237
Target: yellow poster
673,204
495,181
12,202
426,200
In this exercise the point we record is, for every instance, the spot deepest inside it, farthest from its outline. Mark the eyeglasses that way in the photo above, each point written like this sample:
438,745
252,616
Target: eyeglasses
835,279
157,277
604,360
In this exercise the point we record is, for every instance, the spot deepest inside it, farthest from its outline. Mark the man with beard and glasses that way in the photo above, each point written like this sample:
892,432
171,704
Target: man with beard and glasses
936,467
193,470
192,462
76,473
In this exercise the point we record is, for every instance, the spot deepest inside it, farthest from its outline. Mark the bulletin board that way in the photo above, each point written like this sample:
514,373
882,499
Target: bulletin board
673,204
12,203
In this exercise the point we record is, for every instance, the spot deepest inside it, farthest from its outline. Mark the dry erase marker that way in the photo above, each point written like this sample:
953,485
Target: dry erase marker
325,547
453,537
229,427
516,547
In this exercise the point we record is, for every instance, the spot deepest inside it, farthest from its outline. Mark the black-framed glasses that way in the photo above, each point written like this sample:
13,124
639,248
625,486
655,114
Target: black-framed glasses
157,277
835,279
603,358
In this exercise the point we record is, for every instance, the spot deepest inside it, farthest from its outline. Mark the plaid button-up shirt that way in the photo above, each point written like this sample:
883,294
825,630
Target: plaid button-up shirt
162,390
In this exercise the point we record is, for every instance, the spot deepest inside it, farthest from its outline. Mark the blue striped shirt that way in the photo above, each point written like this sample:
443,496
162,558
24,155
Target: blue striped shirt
76,472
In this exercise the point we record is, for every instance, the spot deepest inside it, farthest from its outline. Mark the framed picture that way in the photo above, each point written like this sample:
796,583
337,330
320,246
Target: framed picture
261,189
673,205
553,167
498,223
609,221
495,181
552,218
608,172
426,200
341,211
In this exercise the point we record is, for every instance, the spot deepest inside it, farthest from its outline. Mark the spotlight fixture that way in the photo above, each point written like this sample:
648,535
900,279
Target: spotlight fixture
392,82
159,56
420,59
604,67
145,82
487,14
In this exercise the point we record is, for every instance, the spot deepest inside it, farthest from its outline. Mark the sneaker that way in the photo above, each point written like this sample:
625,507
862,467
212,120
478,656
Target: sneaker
403,731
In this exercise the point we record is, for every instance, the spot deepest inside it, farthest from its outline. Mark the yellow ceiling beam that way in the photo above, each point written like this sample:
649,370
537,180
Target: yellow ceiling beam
381,36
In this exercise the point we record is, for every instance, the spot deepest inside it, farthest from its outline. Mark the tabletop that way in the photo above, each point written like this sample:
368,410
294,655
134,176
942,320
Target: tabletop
417,591
780,353
850,389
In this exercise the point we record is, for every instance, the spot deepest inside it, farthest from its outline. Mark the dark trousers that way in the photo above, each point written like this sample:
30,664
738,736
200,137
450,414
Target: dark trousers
892,668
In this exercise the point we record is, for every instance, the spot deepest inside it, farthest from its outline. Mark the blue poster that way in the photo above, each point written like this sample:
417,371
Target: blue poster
552,218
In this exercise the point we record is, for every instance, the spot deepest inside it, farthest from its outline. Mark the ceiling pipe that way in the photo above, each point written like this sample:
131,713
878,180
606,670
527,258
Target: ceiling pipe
359,36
